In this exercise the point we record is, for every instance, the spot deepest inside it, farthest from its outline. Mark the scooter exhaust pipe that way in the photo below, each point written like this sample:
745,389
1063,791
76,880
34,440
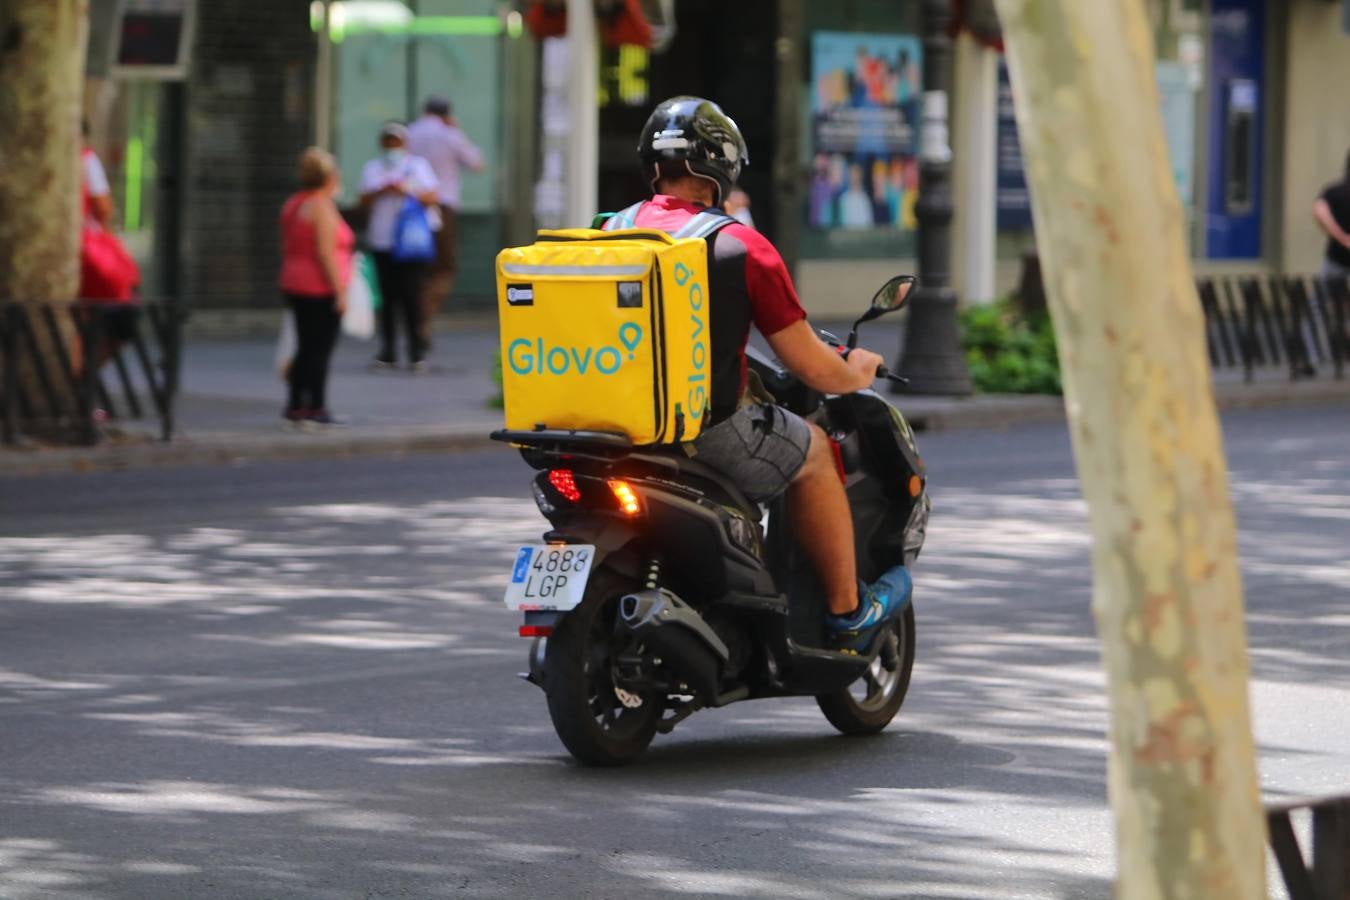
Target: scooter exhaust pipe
679,636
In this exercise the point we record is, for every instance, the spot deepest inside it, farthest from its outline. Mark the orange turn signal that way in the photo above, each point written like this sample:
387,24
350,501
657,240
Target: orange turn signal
915,485
627,497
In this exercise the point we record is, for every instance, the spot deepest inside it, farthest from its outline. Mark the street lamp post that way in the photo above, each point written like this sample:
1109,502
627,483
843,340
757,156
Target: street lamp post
932,359
583,136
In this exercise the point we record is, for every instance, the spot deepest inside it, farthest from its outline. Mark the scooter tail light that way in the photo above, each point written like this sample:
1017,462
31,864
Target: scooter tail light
565,483
627,497
536,631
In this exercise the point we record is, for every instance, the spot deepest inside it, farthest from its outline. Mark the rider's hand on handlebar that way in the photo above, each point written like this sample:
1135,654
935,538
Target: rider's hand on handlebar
864,363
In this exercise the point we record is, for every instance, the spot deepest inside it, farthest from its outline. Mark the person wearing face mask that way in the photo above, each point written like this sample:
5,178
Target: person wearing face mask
386,182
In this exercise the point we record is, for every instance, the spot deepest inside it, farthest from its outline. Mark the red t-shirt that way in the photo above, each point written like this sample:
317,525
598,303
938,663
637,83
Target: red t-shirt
750,284
301,272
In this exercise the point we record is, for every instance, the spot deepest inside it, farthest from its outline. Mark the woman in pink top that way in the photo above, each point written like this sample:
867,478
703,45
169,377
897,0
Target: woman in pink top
316,265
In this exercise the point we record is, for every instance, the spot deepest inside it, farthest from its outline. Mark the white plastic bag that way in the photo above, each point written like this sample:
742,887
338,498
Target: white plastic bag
286,345
359,319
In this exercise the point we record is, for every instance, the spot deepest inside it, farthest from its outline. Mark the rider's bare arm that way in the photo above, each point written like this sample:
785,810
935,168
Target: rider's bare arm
818,365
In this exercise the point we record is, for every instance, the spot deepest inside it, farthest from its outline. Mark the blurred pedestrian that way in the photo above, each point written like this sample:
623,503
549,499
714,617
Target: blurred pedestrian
97,194
316,267
1332,212
437,138
386,182
109,276
738,207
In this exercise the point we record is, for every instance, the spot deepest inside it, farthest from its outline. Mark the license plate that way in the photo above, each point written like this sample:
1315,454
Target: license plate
549,576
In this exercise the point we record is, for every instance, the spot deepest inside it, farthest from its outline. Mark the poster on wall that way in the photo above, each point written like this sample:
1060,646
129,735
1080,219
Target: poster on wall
866,103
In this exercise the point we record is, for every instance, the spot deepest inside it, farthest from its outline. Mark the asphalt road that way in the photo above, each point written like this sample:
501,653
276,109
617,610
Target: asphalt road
296,680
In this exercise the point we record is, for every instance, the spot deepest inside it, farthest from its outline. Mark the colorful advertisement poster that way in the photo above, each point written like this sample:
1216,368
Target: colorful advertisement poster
866,103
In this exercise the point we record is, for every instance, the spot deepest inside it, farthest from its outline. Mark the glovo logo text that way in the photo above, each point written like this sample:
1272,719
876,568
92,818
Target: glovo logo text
696,399
537,357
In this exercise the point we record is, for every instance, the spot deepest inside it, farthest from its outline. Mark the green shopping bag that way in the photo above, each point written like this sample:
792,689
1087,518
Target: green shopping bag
365,267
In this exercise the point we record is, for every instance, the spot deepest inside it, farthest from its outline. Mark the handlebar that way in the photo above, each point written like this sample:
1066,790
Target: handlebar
882,371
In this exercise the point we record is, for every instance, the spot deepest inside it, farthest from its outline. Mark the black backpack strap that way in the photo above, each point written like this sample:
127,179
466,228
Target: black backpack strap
704,225
624,218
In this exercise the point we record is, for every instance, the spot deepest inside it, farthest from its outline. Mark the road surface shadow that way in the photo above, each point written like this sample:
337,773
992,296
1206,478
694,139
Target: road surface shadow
318,700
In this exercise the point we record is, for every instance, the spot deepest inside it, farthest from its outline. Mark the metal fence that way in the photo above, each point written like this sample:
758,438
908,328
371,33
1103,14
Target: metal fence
1329,876
74,365
1282,321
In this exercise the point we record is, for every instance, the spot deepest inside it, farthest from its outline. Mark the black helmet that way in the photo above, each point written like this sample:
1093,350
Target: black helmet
692,136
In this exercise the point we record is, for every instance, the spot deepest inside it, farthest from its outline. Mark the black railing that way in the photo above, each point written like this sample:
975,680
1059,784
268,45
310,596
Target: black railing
1282,320
67,367
1329,876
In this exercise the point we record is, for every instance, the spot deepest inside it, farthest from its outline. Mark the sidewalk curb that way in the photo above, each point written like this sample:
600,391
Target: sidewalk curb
261,323
236,449
925,413
999,411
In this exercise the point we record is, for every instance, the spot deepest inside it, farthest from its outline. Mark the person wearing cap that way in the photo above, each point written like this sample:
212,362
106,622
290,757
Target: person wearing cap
438,139
386,182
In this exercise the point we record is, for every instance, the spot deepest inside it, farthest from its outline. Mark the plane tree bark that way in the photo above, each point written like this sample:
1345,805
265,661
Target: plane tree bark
42,45
1167,594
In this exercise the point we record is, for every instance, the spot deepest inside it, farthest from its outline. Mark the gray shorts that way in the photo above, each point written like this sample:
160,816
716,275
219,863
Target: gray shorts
760,447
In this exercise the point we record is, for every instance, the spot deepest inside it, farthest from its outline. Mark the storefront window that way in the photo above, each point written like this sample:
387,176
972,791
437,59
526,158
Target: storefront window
1236,70
1179,71
388,56
127,135
1179,74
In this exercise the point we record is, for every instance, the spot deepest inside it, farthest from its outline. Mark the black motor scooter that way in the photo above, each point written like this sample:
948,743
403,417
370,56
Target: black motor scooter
659,592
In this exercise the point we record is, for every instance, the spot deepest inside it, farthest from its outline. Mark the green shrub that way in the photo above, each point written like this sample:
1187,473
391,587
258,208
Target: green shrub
1008,352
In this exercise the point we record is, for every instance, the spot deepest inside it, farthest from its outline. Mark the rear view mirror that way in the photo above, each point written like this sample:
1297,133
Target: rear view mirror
893,294
891,297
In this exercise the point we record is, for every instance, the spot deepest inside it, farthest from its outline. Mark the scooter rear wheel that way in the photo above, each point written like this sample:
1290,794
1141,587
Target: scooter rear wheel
600,723
868,705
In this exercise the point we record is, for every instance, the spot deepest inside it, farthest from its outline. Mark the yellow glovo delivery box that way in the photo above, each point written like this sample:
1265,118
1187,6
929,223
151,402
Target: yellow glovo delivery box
608,331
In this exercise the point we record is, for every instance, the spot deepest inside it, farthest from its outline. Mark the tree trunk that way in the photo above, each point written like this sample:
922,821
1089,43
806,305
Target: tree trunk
1167,595
42,45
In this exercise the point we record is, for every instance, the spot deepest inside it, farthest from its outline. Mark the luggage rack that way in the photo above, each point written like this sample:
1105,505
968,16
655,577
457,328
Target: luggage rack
544,438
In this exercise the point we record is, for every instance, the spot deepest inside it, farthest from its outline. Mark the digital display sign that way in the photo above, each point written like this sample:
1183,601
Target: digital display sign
153,39
150,39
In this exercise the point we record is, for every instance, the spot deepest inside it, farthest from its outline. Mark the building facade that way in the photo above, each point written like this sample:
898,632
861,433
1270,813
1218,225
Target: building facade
1248,97
829,96
200,159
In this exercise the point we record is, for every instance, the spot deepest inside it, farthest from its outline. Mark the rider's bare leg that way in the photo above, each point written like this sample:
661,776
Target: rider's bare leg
823,525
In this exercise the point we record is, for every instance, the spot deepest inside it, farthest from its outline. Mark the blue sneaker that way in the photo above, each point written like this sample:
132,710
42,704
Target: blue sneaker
878,603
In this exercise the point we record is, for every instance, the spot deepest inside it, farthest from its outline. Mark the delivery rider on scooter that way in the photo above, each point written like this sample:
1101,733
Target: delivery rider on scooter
692,154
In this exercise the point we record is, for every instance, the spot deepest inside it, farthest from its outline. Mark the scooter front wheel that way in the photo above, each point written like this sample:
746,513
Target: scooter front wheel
599,722
868,705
